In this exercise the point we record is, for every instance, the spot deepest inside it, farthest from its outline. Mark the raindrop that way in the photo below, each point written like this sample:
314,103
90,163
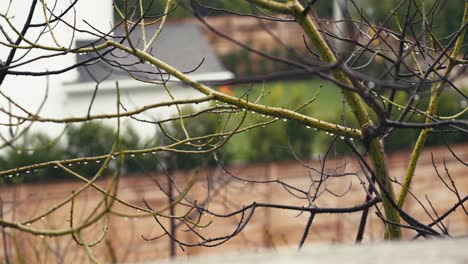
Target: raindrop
399,108
342,137
154,152
41,236
98,161
417,52
133,155
263,126
284,119
112,157
27,172
19,152
245,182
328,22
253,112
352,139
9,176
28,224
307,126
371,85
69,165
405,46
144,153
199,148
85,162
416,97
43,218
463,103
263,115
276,118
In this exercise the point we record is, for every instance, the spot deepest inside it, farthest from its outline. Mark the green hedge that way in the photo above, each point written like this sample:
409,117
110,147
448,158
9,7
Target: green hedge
262,144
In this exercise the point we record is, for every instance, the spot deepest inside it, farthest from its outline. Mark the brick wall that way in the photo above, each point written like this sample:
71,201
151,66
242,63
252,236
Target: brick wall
269,228
248,30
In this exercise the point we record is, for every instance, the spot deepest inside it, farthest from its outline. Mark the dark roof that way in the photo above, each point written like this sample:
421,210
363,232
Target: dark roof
181,46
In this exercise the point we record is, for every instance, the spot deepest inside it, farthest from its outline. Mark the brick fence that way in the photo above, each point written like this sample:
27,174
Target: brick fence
269,228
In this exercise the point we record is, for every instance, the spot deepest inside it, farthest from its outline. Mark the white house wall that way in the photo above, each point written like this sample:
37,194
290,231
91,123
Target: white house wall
67,96
30,91
133,96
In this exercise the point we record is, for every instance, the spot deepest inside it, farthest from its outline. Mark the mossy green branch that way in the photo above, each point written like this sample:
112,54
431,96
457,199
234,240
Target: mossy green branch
243,103
376,150
436,91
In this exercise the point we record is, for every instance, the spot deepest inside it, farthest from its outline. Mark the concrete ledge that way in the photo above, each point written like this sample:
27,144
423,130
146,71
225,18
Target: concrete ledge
422,251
